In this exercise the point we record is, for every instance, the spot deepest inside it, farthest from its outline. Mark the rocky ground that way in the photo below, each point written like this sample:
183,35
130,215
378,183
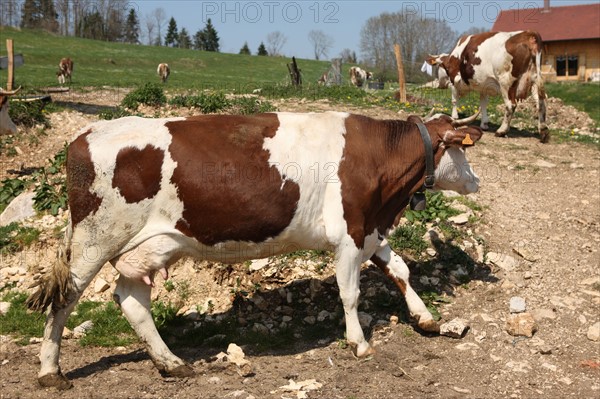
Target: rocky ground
533,250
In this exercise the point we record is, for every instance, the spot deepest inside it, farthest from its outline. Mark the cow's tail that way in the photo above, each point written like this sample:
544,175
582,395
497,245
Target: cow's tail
55,287
539,79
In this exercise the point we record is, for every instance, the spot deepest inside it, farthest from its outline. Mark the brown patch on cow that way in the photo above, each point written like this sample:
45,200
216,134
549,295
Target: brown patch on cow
452,66
468,59
523,48
80,176
228,189
383,265
383,165
138,173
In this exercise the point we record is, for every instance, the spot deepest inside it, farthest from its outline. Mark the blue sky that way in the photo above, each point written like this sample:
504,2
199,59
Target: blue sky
239,21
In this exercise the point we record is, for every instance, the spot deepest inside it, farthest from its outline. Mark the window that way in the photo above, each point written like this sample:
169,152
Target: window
567,65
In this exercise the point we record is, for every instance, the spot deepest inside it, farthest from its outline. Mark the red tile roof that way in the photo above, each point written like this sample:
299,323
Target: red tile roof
559,23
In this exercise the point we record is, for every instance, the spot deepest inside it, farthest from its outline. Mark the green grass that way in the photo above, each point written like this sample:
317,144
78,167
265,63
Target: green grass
98,63
18,321
15,238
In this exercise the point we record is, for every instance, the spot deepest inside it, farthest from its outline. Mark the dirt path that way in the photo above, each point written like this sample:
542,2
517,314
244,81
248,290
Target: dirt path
541,216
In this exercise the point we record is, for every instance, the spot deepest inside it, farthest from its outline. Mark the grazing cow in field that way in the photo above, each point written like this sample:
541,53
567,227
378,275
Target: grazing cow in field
228,188
65,70
492,63
359,76
163,71
7,126
323,79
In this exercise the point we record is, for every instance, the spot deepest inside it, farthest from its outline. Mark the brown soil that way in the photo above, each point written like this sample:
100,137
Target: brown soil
539,201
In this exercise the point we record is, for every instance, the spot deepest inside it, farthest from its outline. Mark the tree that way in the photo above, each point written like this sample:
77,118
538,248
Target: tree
92,26
184,39
348,56
474,30
275,42
207,39
159,16
39,14
9,12
321,43
132,28
245,50
172,34
380,33
150,24
262,50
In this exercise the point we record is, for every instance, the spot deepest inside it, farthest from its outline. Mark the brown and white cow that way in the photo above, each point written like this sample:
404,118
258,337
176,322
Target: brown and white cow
359,76
228,188
163,71
65,70
7,126
492,63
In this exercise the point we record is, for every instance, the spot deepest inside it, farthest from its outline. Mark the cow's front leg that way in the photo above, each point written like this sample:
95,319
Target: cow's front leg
454,101
395,268
134,298
508,114
483,103
348,278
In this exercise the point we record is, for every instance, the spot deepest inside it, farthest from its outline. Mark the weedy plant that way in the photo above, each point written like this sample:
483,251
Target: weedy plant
149,94
15,238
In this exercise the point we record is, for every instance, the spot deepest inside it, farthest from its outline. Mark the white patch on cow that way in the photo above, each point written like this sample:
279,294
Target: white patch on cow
455,173
301,154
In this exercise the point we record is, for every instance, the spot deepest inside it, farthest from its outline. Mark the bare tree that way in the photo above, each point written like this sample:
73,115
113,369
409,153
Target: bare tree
474,30
160,16
10,13
321,43
275,42
150,24
348,56
64,13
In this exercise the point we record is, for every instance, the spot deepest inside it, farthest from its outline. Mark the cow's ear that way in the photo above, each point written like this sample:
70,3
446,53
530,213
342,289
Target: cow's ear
463,137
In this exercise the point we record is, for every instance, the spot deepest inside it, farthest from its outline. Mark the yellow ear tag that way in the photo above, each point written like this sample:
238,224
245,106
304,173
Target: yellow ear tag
467,140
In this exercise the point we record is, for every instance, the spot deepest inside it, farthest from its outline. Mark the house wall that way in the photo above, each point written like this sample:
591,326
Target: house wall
587,51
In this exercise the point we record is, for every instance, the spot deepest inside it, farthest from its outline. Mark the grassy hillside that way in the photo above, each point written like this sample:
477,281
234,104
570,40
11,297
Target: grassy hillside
99,63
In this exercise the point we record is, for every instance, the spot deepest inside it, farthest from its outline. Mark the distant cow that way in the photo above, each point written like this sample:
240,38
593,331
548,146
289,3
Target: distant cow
492,63
146,192
7,126
65,70
323,79
359,76
163,71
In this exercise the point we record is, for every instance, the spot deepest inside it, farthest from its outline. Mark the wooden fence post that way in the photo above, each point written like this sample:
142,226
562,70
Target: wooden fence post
10,80
294,73
401,80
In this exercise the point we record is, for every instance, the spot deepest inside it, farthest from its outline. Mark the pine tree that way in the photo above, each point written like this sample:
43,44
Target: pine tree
184,39
199,39
172,34
132,28
39,14
262,50
245,50
211,38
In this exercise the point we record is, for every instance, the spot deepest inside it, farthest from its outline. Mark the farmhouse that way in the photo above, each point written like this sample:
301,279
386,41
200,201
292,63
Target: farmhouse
571,36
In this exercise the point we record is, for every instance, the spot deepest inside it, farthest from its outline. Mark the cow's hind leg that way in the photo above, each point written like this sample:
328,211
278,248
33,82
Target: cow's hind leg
508,114
63,286
393,265
539,96
134,298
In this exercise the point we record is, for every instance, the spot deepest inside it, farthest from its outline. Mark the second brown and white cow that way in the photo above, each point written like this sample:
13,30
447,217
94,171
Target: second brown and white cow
228,188
359,76
163,71
65,70
497,63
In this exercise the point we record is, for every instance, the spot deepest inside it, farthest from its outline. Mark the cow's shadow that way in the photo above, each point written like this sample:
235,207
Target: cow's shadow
513,132
304,314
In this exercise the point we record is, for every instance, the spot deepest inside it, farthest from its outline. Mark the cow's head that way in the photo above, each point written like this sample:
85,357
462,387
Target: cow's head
6,124
453,171
449,64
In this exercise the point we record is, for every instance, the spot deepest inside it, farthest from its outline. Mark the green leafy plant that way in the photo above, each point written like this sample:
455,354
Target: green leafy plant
28,113
149,94
408,237
251,105
110,327
114,113
437,208
207,103
163,313
10,189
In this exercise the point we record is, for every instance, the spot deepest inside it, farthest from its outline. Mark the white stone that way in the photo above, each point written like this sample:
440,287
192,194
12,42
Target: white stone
19,209
461,219
83,328
4,307
504,262
100,285
258,264
454,328
517,305
545,164
593,333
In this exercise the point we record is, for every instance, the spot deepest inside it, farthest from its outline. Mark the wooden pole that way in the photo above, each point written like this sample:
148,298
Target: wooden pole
401,80
11,65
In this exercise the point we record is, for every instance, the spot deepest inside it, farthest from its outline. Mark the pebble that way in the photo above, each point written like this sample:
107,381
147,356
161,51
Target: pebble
461,219
517,305
364,319
4,307
454,328
100,285
540,314
593,332
504,262
522,324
